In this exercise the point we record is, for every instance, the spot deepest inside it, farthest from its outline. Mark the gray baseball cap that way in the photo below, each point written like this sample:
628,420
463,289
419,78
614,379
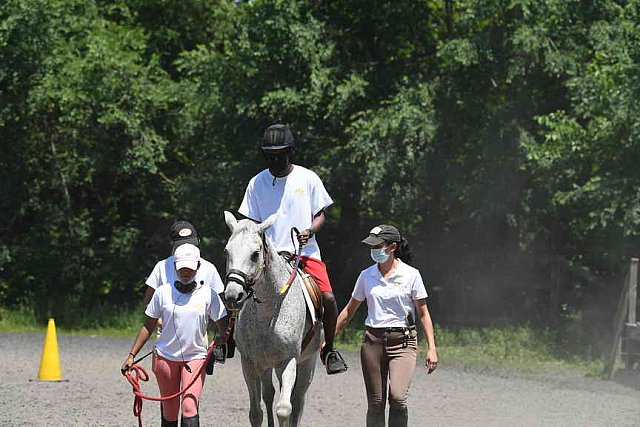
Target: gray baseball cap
382,233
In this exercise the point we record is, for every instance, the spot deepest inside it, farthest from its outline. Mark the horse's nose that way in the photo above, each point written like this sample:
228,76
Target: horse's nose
238,300
232,302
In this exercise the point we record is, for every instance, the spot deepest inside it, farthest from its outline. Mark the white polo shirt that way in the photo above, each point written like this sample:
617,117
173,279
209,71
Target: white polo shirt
165,272
390,300
297,198
184,320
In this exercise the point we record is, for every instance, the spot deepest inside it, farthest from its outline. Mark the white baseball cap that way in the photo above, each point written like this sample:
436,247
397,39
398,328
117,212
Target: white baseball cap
187,255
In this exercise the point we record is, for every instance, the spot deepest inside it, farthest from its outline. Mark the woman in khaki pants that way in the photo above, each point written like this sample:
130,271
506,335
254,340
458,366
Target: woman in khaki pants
395,293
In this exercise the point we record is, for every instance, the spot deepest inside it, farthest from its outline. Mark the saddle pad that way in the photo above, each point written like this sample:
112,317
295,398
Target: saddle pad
310,284
314,290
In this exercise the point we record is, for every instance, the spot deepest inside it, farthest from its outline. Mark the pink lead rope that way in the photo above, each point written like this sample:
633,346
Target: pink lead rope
142,375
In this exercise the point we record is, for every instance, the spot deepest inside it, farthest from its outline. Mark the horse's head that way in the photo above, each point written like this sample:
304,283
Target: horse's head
246,253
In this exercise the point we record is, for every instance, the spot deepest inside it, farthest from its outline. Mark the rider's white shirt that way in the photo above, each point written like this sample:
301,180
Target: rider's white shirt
165,272
389,300
184,320
296,198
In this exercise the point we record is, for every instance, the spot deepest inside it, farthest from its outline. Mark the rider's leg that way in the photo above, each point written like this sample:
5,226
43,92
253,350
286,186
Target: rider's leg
318,270
330,357
329,319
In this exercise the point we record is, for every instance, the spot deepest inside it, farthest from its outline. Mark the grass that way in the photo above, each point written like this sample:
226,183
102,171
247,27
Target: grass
100,322
519,348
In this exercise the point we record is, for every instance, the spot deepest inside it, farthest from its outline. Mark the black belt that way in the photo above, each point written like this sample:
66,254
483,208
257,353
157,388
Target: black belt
395,329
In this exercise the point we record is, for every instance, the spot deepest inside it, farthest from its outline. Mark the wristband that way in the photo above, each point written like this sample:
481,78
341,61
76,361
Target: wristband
132,355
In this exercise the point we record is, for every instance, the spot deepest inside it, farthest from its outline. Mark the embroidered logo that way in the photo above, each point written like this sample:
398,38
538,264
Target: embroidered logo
397,284
299,191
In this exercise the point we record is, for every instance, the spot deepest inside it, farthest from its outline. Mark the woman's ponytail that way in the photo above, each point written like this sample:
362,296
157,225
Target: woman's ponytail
403,251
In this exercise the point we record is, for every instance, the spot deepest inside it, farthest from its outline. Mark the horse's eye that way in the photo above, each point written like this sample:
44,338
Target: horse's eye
255,256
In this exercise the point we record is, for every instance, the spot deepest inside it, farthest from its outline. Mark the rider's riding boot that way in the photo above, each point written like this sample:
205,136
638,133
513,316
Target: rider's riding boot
332,360
166,423
191,421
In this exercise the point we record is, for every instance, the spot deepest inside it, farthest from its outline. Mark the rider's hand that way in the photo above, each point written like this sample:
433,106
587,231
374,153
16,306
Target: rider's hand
304,236
127,363
431,361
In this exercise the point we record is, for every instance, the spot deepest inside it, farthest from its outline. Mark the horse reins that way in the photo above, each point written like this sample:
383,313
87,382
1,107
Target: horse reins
142,375
296,264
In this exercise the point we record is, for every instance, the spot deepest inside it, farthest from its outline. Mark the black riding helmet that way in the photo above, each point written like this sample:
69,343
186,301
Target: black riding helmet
277,137
277,148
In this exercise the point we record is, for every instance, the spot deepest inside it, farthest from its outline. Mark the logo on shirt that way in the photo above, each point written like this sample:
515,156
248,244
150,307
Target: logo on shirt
396,283
299,191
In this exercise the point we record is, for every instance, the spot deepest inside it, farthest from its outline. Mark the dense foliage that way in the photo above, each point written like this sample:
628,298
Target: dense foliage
500,136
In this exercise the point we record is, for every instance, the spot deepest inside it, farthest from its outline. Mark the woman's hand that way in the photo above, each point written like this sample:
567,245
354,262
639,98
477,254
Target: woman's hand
431,361
127,363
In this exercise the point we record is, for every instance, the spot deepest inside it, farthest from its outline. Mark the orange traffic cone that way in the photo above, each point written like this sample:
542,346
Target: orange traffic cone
50,362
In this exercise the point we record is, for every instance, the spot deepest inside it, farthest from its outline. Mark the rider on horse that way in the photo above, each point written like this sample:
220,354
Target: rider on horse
299,197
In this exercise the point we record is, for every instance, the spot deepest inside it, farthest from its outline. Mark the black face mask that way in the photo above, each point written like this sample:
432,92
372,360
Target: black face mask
279,163
184,289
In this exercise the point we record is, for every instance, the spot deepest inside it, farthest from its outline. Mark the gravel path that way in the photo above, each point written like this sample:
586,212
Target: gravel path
95,394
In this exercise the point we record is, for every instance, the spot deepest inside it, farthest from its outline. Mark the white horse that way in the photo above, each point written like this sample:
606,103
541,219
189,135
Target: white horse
272,323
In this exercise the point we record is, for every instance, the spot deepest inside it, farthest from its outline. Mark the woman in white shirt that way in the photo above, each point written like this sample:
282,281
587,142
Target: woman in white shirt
396,298
184,308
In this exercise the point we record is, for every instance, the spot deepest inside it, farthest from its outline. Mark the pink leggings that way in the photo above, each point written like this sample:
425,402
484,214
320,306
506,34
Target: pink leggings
170,375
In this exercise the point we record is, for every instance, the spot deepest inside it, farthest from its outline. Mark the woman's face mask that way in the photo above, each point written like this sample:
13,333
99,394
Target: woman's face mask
379,255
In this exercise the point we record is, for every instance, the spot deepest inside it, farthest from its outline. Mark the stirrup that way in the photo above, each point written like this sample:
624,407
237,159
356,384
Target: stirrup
337,366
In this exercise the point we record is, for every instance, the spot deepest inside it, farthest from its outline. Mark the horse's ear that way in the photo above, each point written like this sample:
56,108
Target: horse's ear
230,220
267,222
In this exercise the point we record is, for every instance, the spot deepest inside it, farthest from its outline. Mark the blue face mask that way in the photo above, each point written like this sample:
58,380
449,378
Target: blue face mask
379,255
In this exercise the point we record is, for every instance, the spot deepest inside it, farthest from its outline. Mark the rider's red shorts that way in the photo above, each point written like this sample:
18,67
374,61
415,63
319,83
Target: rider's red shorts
318,270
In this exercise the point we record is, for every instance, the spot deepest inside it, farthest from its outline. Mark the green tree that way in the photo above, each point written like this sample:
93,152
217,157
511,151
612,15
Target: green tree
84,118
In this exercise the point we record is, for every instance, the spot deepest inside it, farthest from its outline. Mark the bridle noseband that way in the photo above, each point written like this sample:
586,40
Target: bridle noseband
243,279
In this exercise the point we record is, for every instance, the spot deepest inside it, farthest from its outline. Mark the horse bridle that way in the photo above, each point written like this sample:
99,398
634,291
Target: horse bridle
243,279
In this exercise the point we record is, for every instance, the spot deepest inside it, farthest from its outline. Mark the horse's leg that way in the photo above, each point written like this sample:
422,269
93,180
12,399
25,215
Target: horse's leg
252,379
287,377
304,376
268,392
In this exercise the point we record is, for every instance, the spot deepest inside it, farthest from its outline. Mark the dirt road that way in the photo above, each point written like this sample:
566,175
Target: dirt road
95,394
